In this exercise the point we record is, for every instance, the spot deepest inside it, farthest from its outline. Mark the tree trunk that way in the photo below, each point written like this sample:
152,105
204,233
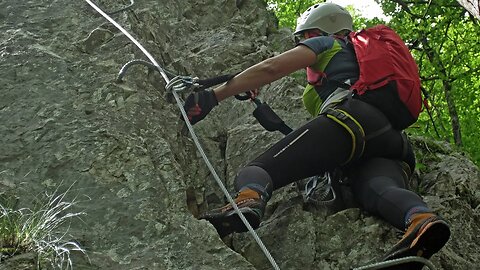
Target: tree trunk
472,6
452,110
436,61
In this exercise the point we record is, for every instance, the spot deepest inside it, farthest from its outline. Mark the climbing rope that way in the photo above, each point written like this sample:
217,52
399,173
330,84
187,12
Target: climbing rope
192,133
389,263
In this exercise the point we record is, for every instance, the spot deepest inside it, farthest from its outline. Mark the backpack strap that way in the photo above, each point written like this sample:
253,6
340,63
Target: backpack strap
315,77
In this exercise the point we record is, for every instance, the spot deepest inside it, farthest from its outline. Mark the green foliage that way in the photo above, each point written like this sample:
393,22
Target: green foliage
445,47
444,41
23,230
287,11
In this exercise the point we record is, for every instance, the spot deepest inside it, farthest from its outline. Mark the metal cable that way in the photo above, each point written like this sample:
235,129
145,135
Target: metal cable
383,265
125,68
192,133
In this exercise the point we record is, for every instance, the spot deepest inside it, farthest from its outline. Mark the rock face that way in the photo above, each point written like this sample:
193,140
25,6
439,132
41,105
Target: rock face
65,120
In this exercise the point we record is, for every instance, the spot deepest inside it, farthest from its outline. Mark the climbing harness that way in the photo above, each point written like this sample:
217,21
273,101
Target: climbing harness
192,133
269,119
353,127
397,262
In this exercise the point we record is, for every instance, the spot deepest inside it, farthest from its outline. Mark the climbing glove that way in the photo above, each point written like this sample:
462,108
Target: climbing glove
199,104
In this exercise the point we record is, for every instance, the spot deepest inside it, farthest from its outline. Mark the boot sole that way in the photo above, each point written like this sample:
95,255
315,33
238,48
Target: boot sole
231,222
429,243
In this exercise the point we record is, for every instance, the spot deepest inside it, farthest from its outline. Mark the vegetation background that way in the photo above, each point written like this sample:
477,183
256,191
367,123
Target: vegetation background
443,38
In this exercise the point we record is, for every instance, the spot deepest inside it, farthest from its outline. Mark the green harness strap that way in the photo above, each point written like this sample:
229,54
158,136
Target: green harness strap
357,133
353,127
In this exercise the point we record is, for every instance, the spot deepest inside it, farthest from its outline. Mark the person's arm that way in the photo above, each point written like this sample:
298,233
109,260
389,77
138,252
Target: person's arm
267,71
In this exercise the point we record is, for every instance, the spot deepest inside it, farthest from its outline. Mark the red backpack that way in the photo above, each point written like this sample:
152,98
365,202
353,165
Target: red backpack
383,57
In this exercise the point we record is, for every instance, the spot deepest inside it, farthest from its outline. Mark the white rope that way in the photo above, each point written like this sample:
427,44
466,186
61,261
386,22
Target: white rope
194,136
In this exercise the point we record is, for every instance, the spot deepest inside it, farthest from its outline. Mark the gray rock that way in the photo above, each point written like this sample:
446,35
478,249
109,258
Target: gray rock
66,121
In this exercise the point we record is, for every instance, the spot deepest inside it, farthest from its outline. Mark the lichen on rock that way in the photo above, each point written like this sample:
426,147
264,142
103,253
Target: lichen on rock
66,120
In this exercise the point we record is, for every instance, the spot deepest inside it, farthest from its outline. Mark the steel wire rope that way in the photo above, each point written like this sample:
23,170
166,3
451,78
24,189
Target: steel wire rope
382,265
192,133
125,67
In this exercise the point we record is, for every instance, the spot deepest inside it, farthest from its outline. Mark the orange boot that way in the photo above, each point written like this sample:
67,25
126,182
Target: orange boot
226,220
426,234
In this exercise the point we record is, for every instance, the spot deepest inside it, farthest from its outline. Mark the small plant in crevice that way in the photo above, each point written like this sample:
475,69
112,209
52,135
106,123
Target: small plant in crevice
42,230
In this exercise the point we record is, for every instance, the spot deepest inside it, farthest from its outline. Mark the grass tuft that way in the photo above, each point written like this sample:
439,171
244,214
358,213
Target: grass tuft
42,231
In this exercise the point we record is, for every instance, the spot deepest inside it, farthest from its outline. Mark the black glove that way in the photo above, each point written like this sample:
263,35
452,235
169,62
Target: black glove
199,104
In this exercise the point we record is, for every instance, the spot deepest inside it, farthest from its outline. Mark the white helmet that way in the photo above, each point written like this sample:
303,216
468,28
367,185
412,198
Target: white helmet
328,17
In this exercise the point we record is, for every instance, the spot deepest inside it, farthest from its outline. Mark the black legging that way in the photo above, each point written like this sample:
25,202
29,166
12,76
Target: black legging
322,145
378,185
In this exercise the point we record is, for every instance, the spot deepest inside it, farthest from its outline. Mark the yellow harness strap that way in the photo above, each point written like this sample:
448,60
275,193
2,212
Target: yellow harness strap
353,127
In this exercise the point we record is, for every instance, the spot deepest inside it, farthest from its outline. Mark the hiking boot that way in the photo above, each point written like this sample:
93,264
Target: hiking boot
426,234
226,220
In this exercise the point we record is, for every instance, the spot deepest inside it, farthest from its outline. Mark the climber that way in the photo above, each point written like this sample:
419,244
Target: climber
359,133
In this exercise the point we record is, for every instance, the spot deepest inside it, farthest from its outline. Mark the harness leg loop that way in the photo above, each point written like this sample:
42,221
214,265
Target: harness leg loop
353,127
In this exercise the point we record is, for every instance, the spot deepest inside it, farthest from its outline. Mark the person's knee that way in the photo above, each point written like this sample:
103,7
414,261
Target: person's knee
409,154
373,191
255,178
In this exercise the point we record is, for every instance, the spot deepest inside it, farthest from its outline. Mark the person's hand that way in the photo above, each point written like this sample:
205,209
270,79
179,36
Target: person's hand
199,104
254,93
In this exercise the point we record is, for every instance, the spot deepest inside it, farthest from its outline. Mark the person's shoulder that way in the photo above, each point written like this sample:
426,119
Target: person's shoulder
323,39
320,41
